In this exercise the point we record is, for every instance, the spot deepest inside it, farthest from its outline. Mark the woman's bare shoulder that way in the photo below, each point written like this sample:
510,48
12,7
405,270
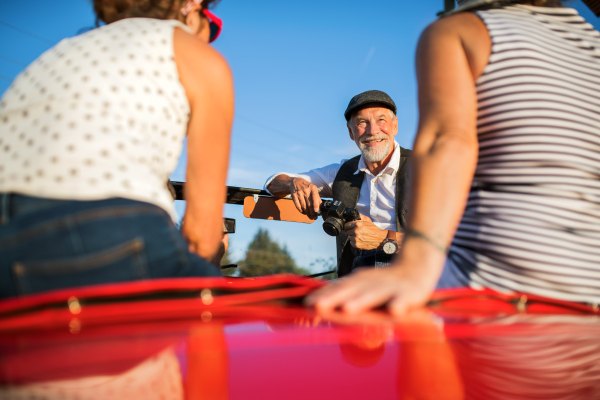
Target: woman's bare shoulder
465,24
190,48
467,29
199,64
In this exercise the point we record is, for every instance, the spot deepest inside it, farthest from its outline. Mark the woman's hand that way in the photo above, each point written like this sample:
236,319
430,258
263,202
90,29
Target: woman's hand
218,256
401,288
223,246
406,285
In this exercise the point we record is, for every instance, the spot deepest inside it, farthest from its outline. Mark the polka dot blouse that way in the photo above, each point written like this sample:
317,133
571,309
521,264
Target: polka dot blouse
99,115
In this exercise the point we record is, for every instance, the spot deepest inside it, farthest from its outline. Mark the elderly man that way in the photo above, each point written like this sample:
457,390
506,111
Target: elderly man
374,183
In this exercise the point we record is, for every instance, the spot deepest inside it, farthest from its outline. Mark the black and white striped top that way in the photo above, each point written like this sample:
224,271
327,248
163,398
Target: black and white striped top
532,222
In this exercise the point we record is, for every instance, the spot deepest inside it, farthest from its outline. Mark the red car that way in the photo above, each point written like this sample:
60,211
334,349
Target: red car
207,338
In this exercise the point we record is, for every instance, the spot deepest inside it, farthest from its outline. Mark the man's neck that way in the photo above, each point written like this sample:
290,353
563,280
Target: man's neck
376,167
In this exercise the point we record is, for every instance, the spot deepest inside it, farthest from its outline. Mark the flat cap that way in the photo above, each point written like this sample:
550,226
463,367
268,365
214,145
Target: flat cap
370,96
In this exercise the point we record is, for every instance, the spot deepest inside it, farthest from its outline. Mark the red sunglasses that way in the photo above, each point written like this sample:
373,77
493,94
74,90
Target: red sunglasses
215,25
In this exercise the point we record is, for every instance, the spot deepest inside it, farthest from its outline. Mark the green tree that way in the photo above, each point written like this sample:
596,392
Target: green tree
266,257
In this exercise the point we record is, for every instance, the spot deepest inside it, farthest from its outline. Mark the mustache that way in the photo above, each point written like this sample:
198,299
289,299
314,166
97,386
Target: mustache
374,137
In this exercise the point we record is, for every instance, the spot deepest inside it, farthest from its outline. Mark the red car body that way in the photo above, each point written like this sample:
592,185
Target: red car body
252,339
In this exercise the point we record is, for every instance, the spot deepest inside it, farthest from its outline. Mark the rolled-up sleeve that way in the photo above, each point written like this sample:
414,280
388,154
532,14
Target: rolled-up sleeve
322,178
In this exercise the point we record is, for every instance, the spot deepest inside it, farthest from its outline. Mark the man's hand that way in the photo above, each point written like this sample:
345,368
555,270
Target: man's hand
306,197
363,234
305,194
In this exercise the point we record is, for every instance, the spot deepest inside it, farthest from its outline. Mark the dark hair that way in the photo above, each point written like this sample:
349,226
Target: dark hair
501,3
109,11
543,3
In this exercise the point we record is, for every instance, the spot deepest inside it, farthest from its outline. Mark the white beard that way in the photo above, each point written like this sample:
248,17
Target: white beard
377,154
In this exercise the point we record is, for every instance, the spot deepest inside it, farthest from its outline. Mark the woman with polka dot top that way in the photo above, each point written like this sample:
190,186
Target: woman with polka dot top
89,133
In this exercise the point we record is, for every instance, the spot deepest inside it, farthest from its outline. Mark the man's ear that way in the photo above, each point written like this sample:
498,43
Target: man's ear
395,125
350,131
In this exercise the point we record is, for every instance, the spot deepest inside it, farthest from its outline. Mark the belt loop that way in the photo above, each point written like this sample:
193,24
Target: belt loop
4,209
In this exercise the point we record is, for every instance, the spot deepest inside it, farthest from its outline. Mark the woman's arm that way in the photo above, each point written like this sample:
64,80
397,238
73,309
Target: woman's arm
451,54
208,83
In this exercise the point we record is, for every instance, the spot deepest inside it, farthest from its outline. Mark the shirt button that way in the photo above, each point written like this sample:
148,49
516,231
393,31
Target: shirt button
374,180
372,204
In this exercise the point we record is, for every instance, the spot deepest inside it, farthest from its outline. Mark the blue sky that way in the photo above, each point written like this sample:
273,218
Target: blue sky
295,65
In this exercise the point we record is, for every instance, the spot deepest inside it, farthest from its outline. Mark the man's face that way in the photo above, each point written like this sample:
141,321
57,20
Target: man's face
373,130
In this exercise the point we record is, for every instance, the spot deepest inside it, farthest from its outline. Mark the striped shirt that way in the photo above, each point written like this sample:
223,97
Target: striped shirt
532,221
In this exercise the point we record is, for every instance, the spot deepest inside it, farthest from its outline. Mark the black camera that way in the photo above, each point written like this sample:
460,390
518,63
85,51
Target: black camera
335,215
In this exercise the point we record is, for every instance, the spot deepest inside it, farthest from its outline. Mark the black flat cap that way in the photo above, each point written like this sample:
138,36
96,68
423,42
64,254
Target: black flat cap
370,96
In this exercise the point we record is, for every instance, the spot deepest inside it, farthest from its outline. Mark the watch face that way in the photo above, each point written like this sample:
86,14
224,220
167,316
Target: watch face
390,247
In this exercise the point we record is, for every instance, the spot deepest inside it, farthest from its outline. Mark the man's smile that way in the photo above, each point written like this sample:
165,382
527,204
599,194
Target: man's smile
374,141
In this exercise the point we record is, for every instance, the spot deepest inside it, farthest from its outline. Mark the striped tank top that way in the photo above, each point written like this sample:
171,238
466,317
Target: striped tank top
532,221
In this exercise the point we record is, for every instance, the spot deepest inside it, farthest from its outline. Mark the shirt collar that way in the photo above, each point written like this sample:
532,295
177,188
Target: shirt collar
391,168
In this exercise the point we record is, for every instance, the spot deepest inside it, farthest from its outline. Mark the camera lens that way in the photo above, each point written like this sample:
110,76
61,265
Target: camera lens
333,226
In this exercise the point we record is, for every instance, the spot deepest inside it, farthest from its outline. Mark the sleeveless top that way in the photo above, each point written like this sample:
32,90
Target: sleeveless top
532,221
99,115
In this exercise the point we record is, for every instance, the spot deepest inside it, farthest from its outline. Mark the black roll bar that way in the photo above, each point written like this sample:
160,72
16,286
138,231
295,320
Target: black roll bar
235,195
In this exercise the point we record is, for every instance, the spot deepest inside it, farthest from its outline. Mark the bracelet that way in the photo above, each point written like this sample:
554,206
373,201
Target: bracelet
416,234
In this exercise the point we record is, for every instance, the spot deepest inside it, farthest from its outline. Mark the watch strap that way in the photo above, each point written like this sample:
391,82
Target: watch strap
391,236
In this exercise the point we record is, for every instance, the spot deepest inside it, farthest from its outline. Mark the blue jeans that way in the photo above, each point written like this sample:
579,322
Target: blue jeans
451,277
48,244
372,258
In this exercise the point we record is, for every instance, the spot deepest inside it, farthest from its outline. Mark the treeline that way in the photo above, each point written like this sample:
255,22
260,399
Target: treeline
264,256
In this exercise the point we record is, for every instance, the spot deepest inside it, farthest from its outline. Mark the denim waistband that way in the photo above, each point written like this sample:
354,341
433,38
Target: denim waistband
372,253
17,204
369,258
13,204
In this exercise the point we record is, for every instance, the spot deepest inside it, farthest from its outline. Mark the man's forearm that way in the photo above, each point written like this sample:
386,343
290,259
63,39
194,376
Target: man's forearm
280,185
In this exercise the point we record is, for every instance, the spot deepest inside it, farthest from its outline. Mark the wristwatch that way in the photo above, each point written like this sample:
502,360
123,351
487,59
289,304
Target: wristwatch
390,246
